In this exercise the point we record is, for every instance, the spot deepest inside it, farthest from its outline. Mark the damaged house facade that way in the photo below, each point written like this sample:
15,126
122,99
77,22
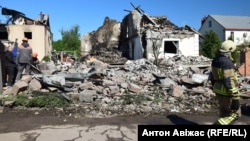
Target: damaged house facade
152,37
18,26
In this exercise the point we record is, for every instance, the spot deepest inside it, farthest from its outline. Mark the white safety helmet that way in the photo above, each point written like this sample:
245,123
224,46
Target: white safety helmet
228,46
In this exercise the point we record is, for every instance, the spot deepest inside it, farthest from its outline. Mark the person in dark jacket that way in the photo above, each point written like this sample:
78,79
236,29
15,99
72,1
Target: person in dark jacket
14,52
225,84
9,67
24,58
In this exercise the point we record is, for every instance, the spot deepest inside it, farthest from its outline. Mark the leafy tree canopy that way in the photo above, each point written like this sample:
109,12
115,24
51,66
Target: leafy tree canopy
211,44
70,41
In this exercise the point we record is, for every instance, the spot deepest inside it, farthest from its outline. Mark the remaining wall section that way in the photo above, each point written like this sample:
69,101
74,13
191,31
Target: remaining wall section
244,69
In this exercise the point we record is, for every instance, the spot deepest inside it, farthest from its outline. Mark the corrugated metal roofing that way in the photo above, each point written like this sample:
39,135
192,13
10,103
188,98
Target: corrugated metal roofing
236,22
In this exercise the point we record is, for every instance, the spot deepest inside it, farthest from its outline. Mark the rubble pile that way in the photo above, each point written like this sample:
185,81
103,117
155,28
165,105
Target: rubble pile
136,87
111,57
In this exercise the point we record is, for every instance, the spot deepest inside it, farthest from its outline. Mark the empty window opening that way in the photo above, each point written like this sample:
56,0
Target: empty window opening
28,35
4,35
170,47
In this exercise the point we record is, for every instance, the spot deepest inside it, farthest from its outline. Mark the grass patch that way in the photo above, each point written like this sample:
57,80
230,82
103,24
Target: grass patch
41,100
48,101
22,100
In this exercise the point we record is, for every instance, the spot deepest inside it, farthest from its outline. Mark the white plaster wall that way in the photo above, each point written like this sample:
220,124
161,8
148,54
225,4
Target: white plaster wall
187,46
41,41
238,36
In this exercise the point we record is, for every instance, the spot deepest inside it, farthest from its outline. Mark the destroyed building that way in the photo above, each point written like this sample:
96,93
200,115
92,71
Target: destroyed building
18,25
144,36
137,86
106,36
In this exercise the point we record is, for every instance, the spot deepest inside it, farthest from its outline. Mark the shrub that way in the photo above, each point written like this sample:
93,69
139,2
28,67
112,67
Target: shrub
46,58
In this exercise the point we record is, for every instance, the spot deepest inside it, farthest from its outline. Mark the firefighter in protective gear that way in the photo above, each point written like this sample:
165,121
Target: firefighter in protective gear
225,84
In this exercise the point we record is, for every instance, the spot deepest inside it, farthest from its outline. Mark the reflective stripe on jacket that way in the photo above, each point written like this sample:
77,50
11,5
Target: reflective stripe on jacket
225,77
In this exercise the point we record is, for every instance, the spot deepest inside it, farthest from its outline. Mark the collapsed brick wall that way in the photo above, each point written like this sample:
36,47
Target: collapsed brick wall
244,69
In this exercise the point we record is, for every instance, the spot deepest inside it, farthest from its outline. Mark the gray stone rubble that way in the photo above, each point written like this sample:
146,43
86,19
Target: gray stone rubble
136,87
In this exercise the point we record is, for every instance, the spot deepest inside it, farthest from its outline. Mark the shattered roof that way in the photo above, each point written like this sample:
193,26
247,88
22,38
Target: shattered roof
15,15
161,20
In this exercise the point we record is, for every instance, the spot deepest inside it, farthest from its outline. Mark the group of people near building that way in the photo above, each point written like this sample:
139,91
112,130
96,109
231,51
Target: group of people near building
18,60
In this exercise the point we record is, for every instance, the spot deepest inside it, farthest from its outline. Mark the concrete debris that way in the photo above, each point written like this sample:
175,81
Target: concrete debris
135,87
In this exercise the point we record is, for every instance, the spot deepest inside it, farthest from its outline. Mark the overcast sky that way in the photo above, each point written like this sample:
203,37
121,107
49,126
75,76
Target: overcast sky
90,14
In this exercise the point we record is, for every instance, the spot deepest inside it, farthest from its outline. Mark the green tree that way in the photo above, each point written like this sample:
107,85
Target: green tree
70,41
211,45
57,45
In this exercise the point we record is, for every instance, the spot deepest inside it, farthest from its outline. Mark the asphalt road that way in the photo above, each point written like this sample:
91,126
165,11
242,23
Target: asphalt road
45,126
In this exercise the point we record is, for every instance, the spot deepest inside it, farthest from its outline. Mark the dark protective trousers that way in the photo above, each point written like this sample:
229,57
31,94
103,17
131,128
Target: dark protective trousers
224,106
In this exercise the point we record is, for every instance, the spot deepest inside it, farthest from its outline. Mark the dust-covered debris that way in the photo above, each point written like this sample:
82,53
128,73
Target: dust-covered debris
135,87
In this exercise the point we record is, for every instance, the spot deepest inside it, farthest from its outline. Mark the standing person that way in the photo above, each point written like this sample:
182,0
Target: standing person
225,84
9,66
14,52
24,57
